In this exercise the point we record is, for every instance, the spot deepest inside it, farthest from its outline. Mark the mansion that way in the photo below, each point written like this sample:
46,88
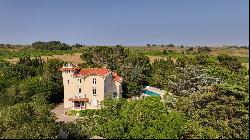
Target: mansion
85,88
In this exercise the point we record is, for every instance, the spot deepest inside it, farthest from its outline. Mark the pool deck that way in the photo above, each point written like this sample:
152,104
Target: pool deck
155,90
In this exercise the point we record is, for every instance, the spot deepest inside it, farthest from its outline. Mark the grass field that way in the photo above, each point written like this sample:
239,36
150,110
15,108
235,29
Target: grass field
13,55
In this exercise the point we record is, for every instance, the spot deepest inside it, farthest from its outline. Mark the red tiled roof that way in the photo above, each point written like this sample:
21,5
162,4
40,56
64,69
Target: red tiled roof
73,68
116,77
93,71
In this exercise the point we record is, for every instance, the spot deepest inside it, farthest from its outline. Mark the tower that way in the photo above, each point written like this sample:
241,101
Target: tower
68,71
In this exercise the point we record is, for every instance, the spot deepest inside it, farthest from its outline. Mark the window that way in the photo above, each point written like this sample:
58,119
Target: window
94,81
79,80
94,91
68,81
114,95
79,90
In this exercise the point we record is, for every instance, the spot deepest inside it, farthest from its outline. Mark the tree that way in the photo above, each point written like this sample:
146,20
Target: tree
165,52
136,72
204,49
110,57
136,119
171,45
77,46
190,49
222,113
191,79
18,121
51,45
162,70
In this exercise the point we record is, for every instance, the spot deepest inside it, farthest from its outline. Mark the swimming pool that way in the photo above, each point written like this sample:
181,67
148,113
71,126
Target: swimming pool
151,93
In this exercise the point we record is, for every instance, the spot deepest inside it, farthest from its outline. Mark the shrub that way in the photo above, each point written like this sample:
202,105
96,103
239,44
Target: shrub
230,62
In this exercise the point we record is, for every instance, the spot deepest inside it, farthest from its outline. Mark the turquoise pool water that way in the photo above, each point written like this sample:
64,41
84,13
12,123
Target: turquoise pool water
150,93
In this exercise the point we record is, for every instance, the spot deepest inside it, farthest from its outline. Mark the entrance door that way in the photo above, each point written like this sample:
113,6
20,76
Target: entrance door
94,102
78,105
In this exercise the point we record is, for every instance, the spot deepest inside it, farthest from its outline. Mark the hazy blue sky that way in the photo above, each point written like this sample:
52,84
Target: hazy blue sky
126,22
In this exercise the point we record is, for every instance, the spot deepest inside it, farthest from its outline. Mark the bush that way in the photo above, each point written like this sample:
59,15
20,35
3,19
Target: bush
72,112
204,50
230,62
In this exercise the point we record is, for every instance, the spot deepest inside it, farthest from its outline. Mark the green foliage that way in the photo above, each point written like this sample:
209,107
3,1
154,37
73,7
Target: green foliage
204,98
191,79
72,112
204,49
203,59
230,62
136,119
162,70
51,45
74,131
185,60
136,72
77,46
18,121
101,56
25,68
219,114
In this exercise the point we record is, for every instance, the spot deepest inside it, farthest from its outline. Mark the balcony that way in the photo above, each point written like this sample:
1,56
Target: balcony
79,98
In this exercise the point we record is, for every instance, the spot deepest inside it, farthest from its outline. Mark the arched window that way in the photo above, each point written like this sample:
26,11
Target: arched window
94,81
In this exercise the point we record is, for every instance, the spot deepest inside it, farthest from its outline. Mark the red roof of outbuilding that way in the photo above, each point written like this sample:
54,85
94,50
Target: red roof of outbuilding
117,77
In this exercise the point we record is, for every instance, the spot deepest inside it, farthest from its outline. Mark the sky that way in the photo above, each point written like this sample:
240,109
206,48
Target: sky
125,22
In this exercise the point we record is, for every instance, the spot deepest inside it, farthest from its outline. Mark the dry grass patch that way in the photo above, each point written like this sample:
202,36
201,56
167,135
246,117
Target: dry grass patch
73,58
153,58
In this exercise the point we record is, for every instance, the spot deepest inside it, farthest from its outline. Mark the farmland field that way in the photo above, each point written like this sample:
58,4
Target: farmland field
13,55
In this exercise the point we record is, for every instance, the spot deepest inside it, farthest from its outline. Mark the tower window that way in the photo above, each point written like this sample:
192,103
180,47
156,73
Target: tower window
68,81
94,81
79,90
94,91
80,80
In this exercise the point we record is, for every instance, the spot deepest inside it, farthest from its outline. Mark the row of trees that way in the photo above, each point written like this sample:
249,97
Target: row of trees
51,45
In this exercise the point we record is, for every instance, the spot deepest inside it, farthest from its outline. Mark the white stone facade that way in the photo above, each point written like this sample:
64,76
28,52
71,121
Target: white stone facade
86,88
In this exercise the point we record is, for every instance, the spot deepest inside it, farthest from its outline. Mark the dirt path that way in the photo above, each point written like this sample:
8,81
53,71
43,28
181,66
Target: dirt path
59,111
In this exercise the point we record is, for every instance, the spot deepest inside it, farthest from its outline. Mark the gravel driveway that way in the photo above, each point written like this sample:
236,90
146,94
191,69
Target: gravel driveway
59,111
